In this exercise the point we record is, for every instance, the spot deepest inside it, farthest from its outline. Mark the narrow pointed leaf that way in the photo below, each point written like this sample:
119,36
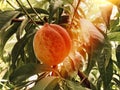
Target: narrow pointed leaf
5,36
45,82
74,86
53,85
105,65
109,72
118,55
25,71
114,25
19,46
20,29
114,36
6,18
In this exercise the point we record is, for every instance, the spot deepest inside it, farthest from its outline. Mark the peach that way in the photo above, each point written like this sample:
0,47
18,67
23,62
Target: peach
51,44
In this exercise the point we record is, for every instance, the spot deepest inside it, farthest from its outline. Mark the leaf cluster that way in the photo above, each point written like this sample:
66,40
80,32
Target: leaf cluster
18,63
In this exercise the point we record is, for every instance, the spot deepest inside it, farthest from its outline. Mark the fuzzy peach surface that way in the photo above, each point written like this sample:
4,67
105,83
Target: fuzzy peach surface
51,44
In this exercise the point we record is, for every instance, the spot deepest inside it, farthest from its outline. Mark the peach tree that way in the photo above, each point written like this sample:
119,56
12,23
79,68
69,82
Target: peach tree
60,44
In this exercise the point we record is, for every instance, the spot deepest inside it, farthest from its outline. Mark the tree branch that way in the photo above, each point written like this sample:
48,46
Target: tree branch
84,79
20,20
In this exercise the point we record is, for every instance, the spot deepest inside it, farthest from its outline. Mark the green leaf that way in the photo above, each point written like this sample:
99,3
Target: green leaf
6,30
109,73
58,15
25,71
114,25
91,61
74,86
105,65
6,35
101,67
19,46
118,55
38,10
114,36
6,18
53,85
107,52
30,51
47,83
29,45
22,73
17,49
53,8
93,56
94,43
10,32
21,28
99,83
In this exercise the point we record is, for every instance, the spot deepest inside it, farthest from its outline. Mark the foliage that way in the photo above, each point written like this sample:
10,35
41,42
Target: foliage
94,61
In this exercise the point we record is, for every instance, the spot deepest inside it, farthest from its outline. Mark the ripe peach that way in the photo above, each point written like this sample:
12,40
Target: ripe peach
51,44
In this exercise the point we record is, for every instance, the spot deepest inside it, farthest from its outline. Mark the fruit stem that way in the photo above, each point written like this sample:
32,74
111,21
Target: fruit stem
55,71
